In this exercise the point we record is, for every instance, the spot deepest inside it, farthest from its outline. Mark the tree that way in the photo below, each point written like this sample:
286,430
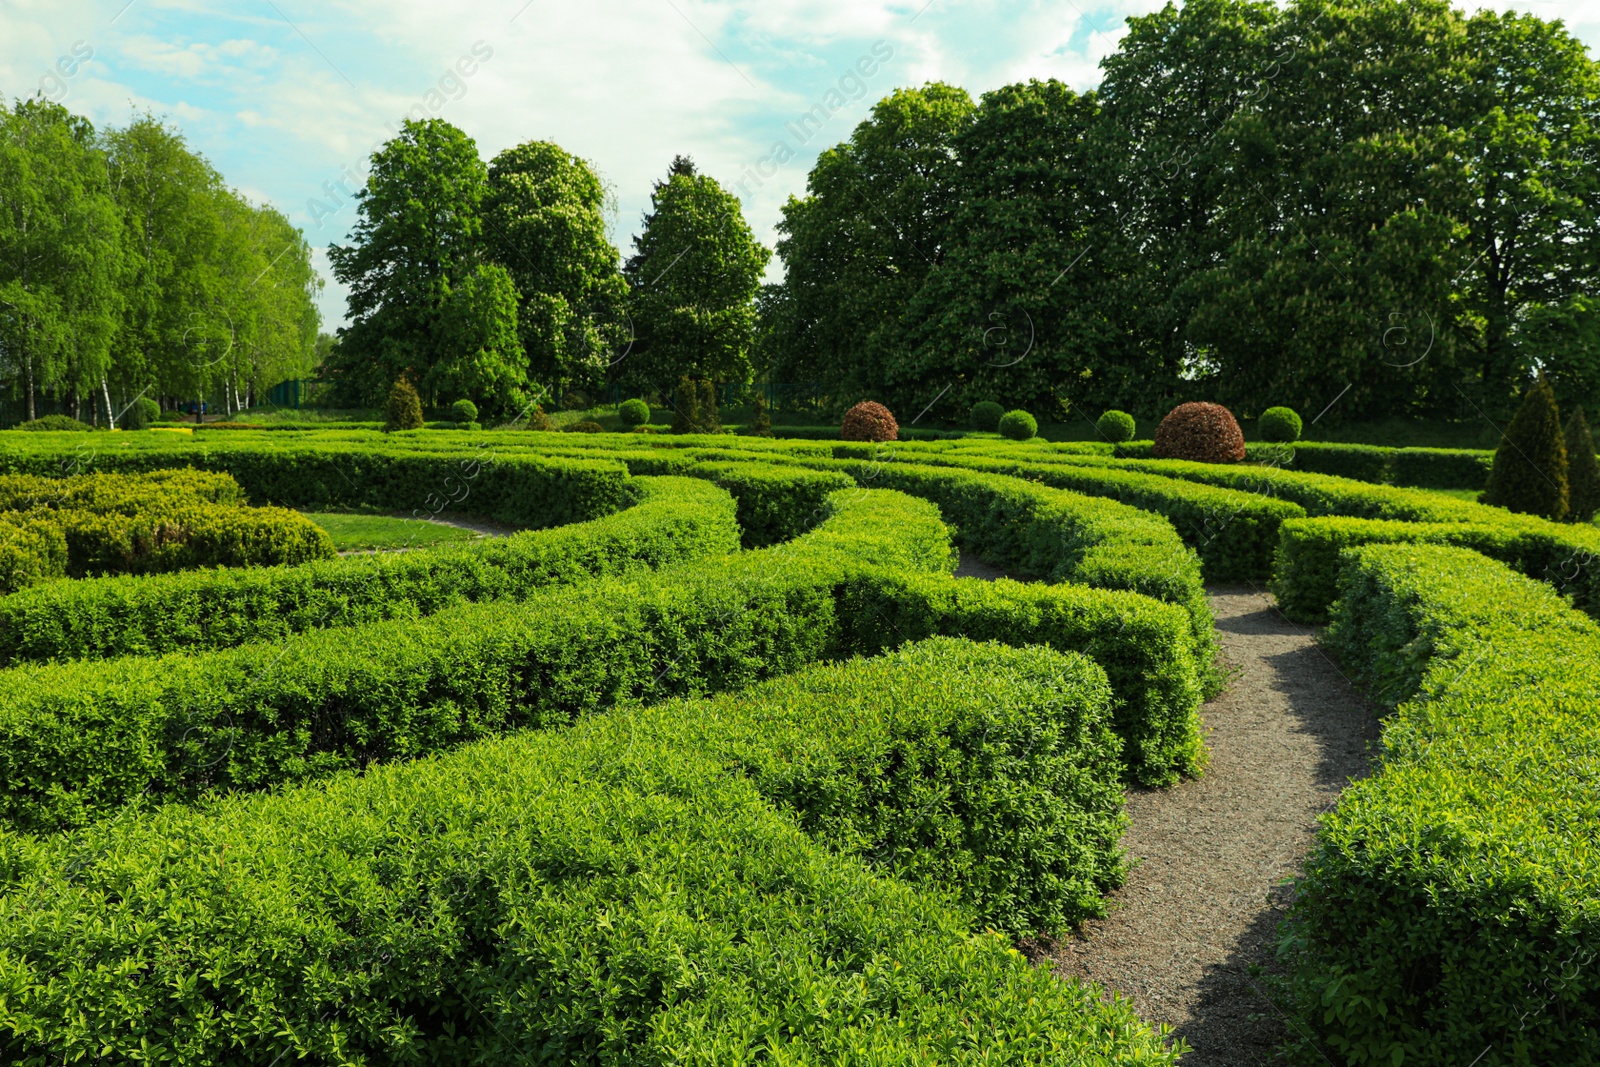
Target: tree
544,222
1530,466
693,280
478,326
60,252
175,329
403,409
417,235
1583,470
871,227
686,411
1008,311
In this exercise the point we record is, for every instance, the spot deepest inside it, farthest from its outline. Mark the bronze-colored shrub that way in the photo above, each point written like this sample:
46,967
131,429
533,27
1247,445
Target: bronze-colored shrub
1205,433
869,421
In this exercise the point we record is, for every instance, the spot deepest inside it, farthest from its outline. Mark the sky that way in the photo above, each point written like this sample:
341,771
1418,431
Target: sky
288,98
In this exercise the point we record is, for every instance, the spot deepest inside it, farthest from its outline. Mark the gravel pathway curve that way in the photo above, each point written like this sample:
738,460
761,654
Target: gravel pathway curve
1203,903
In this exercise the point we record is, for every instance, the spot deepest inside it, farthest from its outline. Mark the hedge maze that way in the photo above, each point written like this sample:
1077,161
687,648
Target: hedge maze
717,762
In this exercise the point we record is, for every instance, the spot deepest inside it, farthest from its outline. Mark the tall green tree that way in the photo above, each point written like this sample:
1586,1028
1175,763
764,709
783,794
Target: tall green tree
1021,305
60,253
871,227
545,223
693,280
176,329
478,327
418,233
269,294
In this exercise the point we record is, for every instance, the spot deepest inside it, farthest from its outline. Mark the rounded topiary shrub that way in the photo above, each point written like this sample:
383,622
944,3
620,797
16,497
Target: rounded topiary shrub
1116,426
1280,426
55,422
140,414
869,421
586,426
1018,425
463,411
1205,433
634,412
986,416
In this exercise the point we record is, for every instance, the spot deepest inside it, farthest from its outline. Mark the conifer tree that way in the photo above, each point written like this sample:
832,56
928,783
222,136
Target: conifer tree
1530,466
709,422
1583,470
686,412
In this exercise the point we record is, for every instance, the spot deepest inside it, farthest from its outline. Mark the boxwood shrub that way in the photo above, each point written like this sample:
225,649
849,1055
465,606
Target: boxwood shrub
1447,913
675,519
775,502
630,892
81,739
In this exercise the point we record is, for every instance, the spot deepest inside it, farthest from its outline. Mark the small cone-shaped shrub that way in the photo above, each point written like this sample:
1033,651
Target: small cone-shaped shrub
760,418
404,408
709,422
686,411
1530,466
1583,470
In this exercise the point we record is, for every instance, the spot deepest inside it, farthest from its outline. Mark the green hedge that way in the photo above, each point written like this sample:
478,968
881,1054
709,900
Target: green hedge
80,739
1442,468
625,893
676,519
1447,914
775,502
32,550
478,476
1146,648
145,524
1059,536
1233,532
1306,571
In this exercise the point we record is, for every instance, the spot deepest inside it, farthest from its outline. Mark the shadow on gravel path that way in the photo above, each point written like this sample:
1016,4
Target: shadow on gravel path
1203,903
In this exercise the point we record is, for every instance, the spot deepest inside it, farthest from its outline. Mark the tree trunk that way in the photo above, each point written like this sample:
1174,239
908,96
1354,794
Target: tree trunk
111,418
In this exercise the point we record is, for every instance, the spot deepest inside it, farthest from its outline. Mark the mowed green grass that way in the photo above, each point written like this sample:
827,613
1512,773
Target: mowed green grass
381,532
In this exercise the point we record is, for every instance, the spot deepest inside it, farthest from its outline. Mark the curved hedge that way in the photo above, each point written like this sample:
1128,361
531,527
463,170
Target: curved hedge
80,739
1447,914
630,892
674,520
775,503
479,477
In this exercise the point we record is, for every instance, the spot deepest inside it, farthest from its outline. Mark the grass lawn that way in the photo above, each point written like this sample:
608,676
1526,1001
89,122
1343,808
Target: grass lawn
354,532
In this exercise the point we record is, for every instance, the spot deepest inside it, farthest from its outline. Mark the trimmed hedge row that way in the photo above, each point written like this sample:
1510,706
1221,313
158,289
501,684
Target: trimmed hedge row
1305,575
1060,536
775,502
675,519
632,892
80,739
480,477
1447,914
143,524
1434,468
1233,532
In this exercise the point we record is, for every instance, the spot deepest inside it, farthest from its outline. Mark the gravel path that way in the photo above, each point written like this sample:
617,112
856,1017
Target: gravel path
1203,903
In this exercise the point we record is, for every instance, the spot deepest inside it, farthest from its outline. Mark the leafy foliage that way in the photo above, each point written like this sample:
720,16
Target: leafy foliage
693,279
545,224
